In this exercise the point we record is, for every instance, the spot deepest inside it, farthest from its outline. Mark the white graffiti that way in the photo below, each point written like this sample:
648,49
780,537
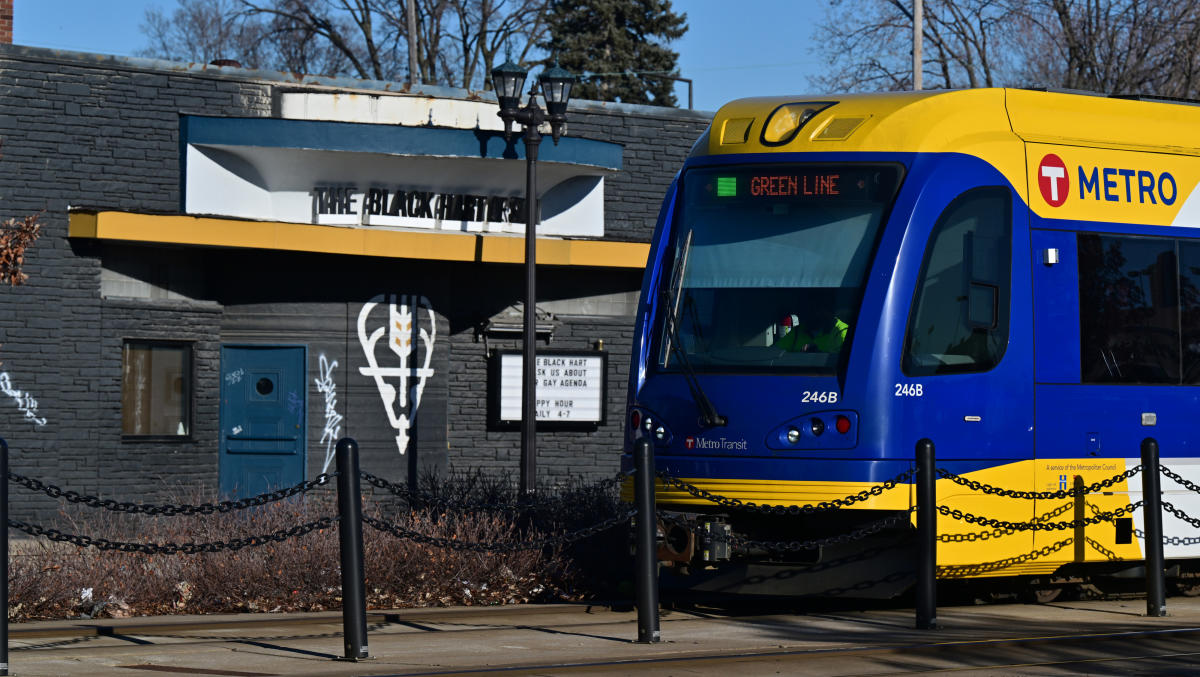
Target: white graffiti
403,324
333,420
235,377
25,402
237,430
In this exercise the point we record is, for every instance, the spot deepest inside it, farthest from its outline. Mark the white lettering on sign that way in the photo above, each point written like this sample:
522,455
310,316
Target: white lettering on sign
568,389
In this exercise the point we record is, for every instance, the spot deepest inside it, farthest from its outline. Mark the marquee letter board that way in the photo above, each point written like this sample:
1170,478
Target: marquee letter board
571,388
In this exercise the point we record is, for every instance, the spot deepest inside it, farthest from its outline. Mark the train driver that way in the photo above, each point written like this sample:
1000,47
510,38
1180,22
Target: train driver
792,336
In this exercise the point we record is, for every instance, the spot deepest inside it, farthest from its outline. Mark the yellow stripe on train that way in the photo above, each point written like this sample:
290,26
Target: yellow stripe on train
966,549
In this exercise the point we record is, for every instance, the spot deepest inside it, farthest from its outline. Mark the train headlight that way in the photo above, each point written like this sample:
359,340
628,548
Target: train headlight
817,426
816,431
645,425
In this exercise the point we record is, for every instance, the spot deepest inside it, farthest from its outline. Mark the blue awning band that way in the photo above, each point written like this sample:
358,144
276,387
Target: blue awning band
390,140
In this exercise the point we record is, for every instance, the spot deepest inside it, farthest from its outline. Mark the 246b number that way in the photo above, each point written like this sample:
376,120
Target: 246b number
909,390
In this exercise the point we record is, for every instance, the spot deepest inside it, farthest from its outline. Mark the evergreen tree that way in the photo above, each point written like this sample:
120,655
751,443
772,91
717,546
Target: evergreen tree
617,47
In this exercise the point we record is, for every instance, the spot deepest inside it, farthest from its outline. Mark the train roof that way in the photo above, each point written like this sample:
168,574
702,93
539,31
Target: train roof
1121,159
973,121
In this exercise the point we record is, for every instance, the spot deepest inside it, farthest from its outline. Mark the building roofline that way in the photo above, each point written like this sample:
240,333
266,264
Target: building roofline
313,82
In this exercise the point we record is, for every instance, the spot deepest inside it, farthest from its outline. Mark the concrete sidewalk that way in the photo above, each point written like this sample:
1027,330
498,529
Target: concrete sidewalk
549,639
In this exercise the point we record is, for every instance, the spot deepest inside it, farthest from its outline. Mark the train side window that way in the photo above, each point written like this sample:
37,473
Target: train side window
1128,309
1189,301
959,320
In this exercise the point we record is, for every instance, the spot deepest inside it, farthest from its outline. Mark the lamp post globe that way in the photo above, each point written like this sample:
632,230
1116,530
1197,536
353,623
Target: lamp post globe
556,85
508,79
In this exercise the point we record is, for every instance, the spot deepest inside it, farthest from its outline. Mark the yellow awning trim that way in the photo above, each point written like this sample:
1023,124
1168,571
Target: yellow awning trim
214,232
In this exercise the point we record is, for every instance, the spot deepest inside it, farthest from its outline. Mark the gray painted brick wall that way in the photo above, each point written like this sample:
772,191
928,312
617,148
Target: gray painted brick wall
103,132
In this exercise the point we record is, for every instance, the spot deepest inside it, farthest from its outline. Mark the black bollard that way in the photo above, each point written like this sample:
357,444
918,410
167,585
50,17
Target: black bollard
1080,514
647,543
1156,587
354,605
4,554
926,536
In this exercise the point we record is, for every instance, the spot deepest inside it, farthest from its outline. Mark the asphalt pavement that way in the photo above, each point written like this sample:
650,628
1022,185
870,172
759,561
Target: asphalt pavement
1060,638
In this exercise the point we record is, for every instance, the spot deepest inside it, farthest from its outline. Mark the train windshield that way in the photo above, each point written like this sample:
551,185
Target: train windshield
769,265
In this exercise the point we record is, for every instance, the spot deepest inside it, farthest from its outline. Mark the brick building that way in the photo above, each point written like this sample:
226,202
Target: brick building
239,266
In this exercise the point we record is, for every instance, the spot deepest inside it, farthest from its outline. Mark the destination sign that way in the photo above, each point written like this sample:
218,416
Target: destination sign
786,185
791,183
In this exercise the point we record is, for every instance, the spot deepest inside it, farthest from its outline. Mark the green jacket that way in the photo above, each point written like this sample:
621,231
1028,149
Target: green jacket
799,339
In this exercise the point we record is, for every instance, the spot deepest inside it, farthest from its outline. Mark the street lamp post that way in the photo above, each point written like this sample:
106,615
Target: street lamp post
508,79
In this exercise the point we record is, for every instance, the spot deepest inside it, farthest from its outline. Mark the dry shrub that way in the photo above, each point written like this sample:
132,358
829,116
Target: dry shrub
402,572
16,235
54,580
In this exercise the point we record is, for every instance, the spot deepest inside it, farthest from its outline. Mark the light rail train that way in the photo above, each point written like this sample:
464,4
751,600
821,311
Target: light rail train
1013,274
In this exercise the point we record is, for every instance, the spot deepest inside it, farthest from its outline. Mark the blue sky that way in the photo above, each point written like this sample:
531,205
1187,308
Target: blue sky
733,48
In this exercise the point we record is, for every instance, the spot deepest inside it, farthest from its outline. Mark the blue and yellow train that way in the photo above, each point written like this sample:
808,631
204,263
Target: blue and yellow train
1013,274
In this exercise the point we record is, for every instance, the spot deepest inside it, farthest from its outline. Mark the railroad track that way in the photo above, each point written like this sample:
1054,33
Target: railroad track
1108,637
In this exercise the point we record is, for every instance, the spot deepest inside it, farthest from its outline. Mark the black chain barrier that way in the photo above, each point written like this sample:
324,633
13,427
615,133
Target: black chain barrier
994,528
535,544
1092,488
173,548
414,496
1099,547
973,536
1190,486
1043,526
1170,540
52,491
985,567
1181,514
751,506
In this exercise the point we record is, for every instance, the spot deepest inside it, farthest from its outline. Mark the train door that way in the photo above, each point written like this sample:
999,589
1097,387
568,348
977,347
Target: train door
964,373
262,418
965,362
1118,345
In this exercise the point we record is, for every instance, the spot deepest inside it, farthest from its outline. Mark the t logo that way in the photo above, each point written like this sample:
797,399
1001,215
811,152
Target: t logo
690,442
1053,180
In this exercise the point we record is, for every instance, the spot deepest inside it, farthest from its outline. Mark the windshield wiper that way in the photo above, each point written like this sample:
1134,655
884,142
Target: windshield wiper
709,417
708,413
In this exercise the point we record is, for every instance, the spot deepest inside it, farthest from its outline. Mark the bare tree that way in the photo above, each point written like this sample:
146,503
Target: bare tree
350,27
485,27
456,41
868,43
203,31
1115,46
1149,47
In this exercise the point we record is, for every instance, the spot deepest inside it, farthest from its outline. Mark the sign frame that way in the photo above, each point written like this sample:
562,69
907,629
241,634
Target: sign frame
495,386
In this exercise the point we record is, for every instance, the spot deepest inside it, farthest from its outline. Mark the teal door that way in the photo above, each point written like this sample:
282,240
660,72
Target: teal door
262,418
